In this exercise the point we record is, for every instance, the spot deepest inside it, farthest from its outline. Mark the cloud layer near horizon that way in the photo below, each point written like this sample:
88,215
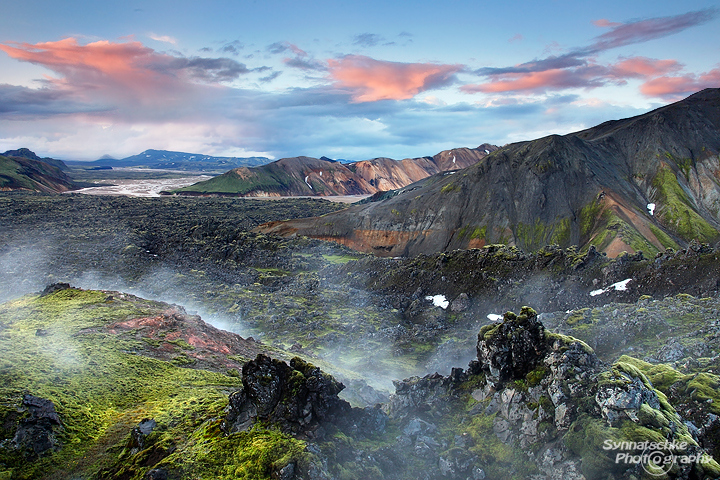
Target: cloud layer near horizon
128,93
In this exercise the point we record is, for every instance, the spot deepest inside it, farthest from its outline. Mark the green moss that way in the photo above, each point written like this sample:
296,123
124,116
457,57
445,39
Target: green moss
561,233
586,437
257,454
564,341
589,216
535,376
450,187
100,388
676,211
663,238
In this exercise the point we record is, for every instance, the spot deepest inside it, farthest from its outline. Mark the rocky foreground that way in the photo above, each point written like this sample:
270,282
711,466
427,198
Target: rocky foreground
107,385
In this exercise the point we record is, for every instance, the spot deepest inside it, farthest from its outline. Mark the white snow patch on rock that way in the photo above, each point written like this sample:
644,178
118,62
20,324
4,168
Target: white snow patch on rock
438,300
651,208
620,286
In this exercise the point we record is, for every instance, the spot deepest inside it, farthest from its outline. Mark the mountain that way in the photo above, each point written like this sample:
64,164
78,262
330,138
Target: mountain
175,161
23,170
27,153
312,176
644,183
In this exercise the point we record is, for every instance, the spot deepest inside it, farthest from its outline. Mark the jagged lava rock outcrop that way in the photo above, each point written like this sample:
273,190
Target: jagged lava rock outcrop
547,397
299,398
594,187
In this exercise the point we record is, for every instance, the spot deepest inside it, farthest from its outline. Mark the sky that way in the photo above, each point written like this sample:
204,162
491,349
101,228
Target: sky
343,79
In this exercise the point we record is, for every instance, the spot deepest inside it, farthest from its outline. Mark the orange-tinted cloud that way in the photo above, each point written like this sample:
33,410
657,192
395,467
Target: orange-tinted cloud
645,67
121,63
130,71
371,80
549,79
589,75
672,88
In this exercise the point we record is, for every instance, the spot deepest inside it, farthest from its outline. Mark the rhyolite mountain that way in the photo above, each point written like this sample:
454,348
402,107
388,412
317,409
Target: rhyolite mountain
644,183
164,159
23,170
312,176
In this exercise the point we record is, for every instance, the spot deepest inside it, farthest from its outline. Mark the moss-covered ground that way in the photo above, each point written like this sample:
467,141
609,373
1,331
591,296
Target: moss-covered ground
55,347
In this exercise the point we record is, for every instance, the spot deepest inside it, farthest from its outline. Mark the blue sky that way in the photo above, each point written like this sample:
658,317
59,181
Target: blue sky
343,79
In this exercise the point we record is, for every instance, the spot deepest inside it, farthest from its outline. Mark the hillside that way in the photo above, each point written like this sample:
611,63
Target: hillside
311,176
164,159
644,183
23,170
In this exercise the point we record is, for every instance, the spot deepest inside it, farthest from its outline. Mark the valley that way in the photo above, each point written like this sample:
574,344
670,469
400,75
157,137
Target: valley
147,336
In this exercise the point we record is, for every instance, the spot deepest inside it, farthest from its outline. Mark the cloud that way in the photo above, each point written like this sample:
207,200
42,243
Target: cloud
516,38
568,75
128,71
643,30
308,64
604,23
367,39
370,80
163,38
232,48
212,69
282,47
675,88
578,69
271,77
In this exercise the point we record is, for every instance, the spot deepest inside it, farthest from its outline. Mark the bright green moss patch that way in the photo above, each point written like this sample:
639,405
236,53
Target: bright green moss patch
676,210
253,455
52,347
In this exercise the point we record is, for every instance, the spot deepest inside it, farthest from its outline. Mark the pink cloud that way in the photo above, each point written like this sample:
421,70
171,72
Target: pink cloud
590,75
672,88
537,81
123,68
371,80
126,71
645,67
605,23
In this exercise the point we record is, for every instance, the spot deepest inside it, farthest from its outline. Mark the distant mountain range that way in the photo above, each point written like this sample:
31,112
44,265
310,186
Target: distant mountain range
23,170
644,183
323,176
164,159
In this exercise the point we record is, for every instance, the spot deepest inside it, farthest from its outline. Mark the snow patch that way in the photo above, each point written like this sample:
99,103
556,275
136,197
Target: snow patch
487,151
494,317
306,181
438,301
453,158
619,286
651,208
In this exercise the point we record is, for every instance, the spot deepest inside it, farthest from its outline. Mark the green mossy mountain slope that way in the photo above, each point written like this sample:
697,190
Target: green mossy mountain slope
19,171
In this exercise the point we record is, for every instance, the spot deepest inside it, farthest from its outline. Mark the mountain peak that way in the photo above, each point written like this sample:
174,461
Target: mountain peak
22,152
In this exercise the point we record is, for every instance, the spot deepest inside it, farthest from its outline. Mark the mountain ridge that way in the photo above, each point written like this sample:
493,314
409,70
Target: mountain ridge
302,175
22,169
592,187
166,159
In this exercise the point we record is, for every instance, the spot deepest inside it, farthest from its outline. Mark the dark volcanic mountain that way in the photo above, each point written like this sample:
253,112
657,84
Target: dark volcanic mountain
312,176
644,183
176,161
23,170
